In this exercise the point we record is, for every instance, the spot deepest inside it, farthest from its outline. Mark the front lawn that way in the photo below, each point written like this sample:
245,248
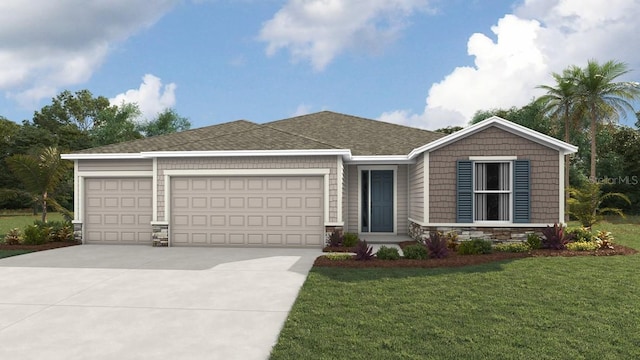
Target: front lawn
533,308
12,220
6,253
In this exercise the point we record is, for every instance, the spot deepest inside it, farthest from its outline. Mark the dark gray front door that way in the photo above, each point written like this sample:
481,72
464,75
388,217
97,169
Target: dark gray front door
382,200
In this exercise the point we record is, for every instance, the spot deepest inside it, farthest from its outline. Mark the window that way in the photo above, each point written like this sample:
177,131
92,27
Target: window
492,191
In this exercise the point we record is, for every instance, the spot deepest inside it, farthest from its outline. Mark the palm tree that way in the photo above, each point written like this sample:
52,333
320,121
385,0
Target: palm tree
603,98
40,175
560,103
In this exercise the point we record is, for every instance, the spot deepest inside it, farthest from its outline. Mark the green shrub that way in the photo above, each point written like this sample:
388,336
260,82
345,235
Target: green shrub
512,248
415,252
452,240
350,239
534,241
582,246
475,246
582,234
13,237
387,253
35,235
338,256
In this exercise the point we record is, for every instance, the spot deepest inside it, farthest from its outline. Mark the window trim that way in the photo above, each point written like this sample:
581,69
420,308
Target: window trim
492,160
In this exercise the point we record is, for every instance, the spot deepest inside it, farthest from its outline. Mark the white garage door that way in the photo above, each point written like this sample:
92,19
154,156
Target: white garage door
252,211
118,210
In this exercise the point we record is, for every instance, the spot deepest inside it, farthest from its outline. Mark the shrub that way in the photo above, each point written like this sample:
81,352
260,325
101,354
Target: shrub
585,203
582,246
350,239
338,256
512,248
13,237
555,237
387,253
363,251
452,240
335,239
581,234
437,245
35,235
65,233
415,252
534,241
604,240
57,230
475,246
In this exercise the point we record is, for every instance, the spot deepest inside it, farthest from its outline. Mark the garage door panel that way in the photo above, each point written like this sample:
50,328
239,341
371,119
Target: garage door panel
118,210
258,211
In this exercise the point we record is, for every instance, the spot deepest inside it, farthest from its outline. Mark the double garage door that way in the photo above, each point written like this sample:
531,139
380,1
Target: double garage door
254,211
209,211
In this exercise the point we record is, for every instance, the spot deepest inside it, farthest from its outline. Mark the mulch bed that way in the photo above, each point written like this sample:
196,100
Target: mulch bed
456,260
45,246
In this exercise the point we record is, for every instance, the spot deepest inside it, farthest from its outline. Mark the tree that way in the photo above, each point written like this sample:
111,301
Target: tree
586,203
604,99
449,129
116,124
40,175
560,104
167,122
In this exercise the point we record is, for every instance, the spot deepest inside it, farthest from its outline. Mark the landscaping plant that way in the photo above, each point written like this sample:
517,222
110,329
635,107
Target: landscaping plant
452,240
363,251
415,252
555,237
349,239
335,240
604,240
475,246
387,253
534,241
338,256
35,235
13,237
584,203
512,247
582,246
581,234
437,245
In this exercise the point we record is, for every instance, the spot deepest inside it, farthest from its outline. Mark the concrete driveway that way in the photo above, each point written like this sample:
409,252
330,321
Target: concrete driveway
138,302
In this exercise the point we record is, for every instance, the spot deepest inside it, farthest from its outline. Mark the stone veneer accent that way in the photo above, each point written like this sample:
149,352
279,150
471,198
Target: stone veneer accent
160,234
329,230
77,232
496,234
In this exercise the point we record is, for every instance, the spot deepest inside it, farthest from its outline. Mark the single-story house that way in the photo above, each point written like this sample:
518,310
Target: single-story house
293,182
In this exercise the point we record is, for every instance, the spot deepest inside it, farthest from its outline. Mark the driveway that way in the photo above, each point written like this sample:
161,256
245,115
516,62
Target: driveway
138,302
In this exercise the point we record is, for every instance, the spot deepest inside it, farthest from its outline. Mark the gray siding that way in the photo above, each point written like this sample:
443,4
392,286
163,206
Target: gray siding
345,193
545,179
284,162
402,211
116,165
416,189
352,199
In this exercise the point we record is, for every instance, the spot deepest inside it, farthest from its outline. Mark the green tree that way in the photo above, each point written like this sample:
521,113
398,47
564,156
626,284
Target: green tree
40,175
603,98
449,129
531,115
167,122
585,203
116,124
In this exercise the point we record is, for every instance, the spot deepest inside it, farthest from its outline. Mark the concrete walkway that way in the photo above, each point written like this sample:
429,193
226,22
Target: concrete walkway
135,302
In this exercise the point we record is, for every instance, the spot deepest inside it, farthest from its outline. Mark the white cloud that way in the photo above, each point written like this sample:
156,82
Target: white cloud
50,44
302,109
152,97
319,30
540,37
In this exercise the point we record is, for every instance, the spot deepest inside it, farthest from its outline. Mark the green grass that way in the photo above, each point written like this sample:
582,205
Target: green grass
533,308
7,253
9,221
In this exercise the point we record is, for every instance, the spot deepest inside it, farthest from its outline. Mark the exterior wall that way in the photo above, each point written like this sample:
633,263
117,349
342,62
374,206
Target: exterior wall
402,192
496,234
345,193
544,183
283,162
352,198
416,189
116,165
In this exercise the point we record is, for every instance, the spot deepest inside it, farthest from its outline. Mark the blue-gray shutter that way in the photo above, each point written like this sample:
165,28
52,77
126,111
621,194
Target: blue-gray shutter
521,191
464,197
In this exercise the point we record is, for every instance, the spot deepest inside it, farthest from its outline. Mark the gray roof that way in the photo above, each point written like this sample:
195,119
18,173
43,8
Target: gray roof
322,130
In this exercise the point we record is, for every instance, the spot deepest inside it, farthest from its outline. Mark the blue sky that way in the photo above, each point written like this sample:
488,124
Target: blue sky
416,62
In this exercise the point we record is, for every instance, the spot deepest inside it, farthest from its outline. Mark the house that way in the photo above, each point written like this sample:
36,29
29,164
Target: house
294,181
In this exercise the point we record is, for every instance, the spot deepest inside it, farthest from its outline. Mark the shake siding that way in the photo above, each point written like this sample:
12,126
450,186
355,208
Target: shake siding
416,189
402,212
115,165
345,193
544,183
284,162
352,199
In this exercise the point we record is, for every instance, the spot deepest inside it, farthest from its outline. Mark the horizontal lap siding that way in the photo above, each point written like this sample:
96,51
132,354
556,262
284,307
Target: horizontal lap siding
416,189
352,199
494,142
402,211
116,165
268,162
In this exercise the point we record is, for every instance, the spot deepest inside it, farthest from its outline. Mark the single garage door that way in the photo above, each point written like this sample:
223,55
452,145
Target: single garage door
252,211
118,210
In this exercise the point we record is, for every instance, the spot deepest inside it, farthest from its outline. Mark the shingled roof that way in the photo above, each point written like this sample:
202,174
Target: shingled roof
322,130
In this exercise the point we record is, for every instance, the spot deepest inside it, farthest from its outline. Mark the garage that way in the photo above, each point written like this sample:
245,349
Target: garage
276,211
118,210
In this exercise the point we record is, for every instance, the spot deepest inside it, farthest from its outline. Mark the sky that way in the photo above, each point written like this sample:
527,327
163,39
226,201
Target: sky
422,63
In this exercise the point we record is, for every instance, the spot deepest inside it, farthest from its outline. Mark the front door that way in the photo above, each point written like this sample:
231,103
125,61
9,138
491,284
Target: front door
377,186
